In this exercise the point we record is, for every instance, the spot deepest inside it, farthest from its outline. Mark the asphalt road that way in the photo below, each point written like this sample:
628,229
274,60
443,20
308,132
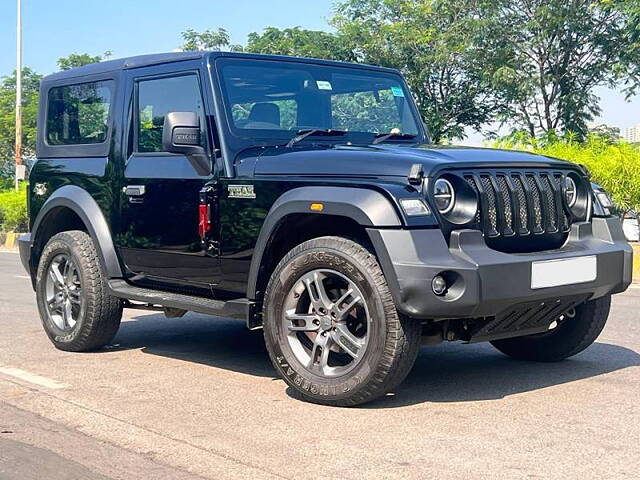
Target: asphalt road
197,398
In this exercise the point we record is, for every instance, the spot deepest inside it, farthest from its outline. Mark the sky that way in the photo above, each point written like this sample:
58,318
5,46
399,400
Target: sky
53,29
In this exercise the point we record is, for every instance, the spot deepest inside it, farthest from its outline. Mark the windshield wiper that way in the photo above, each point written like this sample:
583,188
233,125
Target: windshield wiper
302,134
382,137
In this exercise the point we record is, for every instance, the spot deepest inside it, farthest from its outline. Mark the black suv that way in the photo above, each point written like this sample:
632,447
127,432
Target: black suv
303,196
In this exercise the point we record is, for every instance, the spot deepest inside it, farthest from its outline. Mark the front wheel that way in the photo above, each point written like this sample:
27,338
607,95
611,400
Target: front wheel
570,334
331,326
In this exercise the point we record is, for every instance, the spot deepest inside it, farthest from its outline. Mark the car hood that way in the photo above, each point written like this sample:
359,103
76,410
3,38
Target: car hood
389,160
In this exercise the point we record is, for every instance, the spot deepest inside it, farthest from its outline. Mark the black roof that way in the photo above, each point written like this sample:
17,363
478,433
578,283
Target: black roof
159,58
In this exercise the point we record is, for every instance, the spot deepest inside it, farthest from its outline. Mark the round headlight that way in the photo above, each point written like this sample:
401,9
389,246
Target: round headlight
570,191
444,195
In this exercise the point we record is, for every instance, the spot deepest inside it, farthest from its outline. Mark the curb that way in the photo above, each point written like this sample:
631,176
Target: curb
10,240
636,262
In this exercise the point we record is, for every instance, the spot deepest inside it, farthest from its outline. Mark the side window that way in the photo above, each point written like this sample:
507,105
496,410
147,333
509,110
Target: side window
79,114
160,96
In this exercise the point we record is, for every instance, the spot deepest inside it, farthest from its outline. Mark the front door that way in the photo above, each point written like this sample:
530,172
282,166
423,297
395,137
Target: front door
158,238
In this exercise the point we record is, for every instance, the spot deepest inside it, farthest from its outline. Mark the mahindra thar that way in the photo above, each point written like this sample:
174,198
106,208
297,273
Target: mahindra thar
304,197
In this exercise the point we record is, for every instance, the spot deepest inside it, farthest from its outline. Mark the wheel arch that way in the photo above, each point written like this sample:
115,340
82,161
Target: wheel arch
73,208
346,211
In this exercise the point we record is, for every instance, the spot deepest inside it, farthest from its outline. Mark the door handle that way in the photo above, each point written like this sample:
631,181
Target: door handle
134,190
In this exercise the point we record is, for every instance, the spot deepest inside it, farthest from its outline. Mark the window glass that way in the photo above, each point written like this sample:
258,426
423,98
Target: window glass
282,115
270,98
79,114
160,96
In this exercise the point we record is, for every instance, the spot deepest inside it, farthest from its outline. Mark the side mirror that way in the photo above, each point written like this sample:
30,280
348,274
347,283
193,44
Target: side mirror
181,133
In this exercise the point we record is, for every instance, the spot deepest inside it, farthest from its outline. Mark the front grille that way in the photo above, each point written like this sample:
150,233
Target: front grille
519,203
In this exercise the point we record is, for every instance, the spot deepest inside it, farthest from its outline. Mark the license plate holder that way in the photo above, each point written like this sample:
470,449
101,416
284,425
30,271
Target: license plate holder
563,271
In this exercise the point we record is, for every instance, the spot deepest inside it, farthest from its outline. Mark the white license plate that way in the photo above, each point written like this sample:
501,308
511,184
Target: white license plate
564,271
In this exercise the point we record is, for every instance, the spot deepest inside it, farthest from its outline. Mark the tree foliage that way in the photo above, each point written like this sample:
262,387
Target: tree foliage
207,40
80,59
300,43
433,44
30,95
547,56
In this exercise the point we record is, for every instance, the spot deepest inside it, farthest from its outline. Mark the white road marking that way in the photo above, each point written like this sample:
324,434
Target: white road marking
33,378
22,276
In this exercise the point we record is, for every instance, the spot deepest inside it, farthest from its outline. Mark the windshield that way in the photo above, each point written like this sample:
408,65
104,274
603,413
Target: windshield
267,99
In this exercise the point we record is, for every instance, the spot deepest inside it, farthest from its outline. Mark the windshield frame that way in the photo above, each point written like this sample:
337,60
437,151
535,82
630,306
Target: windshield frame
258,137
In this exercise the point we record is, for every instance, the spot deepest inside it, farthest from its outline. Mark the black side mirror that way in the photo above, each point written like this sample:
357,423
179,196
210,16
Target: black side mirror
181,133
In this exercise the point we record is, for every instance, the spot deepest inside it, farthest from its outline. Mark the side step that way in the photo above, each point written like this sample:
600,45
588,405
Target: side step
241,308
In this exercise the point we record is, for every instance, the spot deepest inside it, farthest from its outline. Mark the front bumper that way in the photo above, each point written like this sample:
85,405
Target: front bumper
489,282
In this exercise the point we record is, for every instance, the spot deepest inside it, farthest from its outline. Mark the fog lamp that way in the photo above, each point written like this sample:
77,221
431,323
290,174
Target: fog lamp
439,285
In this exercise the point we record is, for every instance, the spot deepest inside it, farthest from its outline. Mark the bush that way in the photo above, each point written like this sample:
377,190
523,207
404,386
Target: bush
13,210
613,165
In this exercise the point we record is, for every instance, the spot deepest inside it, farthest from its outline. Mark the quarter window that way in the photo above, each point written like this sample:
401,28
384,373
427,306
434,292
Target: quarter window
79,114
160,96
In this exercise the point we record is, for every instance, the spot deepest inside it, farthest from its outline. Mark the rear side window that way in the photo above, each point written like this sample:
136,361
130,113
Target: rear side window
79,114
160,96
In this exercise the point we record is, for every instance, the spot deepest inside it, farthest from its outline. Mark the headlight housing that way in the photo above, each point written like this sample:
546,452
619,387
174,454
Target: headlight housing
444,195
454,199
570,191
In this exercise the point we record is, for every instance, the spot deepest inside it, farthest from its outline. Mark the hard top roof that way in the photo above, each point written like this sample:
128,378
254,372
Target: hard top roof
159,58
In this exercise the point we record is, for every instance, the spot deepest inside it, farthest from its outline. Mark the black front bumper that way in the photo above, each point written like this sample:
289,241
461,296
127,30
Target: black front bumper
488,282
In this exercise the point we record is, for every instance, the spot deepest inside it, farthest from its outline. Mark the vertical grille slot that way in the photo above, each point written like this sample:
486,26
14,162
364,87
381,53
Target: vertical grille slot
506,199
522,203
492,210
536,201
551,202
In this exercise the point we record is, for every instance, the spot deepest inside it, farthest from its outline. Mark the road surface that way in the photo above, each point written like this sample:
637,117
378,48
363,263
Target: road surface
197,398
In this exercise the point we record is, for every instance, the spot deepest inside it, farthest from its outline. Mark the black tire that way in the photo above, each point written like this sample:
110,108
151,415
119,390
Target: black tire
98,313
392,341
570,337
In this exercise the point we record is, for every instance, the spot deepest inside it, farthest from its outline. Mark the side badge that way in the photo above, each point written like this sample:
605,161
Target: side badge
241,191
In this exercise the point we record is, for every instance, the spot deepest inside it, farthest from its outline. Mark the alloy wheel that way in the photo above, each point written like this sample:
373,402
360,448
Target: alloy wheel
327,322
64,299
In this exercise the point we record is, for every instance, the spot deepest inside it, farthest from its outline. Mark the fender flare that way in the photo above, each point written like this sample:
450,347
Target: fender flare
82,204
367,207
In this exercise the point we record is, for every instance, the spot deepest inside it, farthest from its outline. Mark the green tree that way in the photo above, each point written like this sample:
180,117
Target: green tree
208,40
299,42
549,55
80,59
30,95
433,43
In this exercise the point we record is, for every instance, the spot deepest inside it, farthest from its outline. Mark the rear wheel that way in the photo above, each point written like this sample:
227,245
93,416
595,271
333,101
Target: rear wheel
568,335
331,327
76,310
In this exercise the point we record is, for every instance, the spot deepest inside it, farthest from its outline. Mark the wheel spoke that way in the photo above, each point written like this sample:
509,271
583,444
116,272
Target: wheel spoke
302,322
67,315
317,292
71,273
75,295
55,275
55,303
347,341
319,360
344,311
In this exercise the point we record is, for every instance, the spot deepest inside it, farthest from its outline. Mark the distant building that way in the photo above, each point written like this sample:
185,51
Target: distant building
632,134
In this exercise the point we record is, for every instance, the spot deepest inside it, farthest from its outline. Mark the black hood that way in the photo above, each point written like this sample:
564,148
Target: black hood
389,160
